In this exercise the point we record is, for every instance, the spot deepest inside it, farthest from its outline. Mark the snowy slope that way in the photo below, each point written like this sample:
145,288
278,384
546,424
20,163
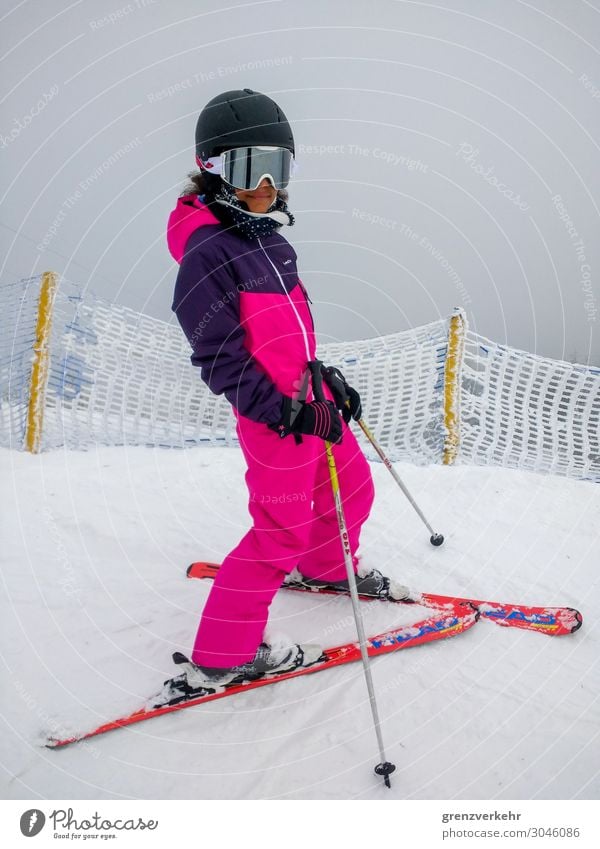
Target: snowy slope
94,549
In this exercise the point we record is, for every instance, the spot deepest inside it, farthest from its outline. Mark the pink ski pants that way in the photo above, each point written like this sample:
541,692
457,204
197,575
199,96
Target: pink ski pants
294,524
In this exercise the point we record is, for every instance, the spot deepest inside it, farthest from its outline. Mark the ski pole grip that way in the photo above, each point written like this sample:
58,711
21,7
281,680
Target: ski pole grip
317,379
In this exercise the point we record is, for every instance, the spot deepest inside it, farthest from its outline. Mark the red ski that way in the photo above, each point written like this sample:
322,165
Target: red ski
554,621
174,696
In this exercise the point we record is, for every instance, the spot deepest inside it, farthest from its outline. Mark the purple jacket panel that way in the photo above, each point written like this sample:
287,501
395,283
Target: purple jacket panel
207,305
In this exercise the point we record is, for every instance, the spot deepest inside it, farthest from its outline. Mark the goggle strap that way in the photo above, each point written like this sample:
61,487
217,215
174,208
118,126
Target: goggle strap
214,165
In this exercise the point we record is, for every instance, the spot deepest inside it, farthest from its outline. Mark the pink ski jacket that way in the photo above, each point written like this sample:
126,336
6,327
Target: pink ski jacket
243,309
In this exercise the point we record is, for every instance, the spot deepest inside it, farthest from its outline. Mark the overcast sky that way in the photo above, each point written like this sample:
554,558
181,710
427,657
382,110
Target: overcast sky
448,152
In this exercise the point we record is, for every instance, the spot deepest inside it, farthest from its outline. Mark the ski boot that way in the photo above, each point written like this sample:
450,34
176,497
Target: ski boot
267,661
372,584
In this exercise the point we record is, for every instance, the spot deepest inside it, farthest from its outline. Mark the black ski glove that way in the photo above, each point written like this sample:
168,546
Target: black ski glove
347,399
316,418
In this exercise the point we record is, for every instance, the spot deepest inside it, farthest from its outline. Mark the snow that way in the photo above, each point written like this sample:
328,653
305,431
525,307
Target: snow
95,546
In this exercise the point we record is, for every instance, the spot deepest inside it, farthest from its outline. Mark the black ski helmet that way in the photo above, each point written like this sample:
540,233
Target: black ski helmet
241,118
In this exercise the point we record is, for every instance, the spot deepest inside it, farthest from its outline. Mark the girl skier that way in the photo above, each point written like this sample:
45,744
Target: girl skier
245,313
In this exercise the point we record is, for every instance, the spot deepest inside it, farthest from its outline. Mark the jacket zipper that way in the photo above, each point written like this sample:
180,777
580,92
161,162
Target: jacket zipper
293,305
308,301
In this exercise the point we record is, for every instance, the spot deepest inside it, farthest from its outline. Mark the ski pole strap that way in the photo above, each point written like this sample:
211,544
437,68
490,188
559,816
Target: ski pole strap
317,379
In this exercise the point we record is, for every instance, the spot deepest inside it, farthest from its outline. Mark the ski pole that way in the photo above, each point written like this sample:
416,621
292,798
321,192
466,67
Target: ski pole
435,538
384,768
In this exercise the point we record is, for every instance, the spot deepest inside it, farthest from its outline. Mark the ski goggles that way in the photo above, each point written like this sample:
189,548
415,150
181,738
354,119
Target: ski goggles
245,167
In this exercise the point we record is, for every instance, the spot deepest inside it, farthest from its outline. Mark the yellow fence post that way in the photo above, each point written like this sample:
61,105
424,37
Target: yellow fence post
452,372
39,371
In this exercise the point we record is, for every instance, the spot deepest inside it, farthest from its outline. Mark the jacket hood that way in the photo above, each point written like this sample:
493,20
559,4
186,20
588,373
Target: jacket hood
189,214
